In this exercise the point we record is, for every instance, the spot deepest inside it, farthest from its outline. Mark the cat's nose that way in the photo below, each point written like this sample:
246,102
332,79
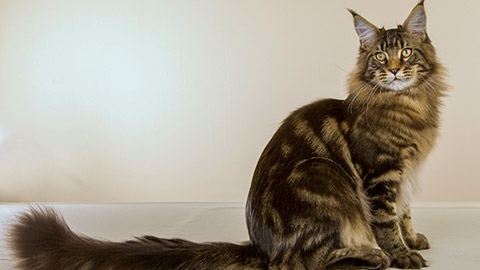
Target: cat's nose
394,70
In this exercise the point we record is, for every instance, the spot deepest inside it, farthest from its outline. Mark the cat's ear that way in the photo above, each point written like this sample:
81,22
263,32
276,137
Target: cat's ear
366,31
416,23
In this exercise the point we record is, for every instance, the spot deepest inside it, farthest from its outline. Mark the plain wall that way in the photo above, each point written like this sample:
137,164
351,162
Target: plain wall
115,100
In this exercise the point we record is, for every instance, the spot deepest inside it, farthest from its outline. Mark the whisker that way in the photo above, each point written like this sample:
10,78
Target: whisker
360,90
430,86
370,97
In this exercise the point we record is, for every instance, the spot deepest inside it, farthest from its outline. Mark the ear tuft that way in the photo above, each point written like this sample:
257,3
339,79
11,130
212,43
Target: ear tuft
352,12
365,30
416,23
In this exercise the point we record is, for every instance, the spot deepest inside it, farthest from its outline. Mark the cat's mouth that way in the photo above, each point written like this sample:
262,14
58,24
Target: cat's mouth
397,83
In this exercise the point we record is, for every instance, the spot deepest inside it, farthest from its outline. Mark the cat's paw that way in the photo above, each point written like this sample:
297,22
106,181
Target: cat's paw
378,259
419,242
361,258
408,260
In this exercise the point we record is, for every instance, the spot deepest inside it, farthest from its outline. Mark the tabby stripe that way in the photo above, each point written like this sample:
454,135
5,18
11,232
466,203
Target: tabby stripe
402,115
383,215
380,186
423,68
385,148
423,56
381,199
391,136
304,130
385,225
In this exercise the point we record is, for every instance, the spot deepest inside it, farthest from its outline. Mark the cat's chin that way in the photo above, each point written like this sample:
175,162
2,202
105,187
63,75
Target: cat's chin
398,85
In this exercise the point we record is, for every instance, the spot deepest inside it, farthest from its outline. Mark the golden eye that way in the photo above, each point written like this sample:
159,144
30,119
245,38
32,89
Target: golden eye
380,56
406,52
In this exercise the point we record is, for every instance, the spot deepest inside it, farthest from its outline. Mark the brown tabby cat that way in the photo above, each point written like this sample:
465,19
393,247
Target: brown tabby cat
330,191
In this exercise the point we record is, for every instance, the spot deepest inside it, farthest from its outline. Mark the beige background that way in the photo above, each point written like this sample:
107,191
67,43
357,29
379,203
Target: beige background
174,100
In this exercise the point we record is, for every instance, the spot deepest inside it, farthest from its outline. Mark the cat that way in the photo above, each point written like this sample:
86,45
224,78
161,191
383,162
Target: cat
331,189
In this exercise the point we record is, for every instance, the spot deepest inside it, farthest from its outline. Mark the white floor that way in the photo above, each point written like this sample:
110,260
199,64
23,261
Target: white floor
454,232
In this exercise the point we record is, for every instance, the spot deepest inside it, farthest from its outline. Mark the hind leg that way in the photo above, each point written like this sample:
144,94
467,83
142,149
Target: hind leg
358,258
360,250
332,227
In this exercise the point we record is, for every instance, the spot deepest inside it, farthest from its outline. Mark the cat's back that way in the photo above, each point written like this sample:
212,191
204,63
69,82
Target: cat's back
319,110
306,133
307,123
303,127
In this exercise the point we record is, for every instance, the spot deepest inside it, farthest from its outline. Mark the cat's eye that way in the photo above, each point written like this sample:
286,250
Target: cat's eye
380,56
406,52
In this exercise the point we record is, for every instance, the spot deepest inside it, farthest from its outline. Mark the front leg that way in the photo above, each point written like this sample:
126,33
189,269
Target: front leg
383,192
414,240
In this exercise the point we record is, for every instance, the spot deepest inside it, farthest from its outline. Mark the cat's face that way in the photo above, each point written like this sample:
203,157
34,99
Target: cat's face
394,62
395,59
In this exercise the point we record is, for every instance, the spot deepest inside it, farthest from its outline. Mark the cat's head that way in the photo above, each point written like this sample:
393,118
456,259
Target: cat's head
395,59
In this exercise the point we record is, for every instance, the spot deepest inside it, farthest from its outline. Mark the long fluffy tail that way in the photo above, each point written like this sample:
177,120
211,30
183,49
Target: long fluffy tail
41,240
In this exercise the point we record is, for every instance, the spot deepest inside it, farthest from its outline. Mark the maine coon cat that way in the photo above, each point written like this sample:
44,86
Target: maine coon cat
331,189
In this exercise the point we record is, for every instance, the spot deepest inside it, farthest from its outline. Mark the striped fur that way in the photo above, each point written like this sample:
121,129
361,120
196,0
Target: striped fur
331,190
